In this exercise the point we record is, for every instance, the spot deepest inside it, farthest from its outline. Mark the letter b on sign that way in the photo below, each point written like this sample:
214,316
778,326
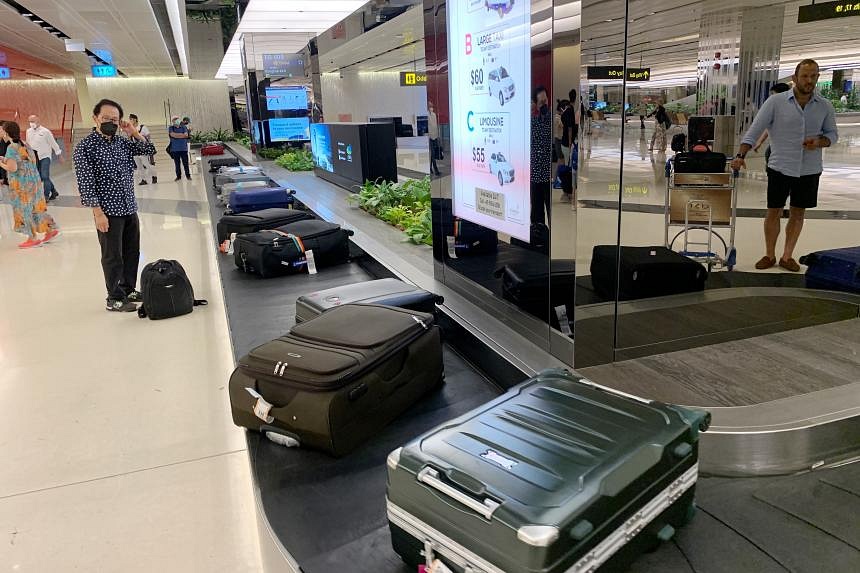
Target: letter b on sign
468,44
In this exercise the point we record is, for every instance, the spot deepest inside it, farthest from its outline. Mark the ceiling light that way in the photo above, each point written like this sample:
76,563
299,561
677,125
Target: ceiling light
38,21
609,20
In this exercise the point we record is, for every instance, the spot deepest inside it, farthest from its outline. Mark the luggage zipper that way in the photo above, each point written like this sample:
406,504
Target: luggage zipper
281,367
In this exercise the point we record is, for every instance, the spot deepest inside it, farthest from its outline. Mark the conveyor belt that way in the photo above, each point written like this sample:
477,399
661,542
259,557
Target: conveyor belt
329,514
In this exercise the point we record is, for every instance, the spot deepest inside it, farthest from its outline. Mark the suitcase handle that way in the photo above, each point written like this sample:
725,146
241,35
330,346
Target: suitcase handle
430,477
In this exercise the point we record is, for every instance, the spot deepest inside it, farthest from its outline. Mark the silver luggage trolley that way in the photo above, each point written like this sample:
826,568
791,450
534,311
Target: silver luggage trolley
702,201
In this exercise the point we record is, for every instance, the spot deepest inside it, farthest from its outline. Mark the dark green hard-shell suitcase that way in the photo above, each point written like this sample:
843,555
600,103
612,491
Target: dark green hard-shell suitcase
556,475
334,381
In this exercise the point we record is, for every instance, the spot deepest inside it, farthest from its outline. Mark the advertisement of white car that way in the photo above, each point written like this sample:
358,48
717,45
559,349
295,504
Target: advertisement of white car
490,57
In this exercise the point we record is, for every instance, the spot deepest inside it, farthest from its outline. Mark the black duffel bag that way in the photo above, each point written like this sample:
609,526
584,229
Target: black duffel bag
700,162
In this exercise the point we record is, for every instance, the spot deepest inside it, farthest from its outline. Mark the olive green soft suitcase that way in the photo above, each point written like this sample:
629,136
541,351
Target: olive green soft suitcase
557,475
334,381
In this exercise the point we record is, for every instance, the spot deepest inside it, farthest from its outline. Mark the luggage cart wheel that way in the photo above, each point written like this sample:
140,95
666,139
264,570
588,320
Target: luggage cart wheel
732,259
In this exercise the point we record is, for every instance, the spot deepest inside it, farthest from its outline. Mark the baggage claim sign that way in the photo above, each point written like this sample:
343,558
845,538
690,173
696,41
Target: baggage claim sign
490,70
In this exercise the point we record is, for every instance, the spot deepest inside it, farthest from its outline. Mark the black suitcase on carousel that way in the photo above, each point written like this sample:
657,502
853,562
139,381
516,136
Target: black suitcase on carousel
532,287
387,292
645,272
216,164
257,221
336,380
283,250
557,475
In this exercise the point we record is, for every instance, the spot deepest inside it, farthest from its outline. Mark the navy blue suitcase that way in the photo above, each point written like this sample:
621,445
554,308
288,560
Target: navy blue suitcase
257,199
834,269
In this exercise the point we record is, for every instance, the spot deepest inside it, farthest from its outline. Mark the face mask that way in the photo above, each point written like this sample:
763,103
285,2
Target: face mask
544,109
176,123
108,128
33,124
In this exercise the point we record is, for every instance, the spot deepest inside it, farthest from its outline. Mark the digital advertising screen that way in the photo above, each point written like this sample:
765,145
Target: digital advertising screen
346,151
321,150
490,62
288,99
290,129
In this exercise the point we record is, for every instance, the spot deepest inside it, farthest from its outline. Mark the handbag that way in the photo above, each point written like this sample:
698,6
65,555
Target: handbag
170,153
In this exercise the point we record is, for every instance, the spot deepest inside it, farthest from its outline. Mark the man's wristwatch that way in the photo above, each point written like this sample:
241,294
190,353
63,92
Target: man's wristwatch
740,156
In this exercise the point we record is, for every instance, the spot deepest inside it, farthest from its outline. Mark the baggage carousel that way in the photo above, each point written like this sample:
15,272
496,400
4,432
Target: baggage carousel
319,514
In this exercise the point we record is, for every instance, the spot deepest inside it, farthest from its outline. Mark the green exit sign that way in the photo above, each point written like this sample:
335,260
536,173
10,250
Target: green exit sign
827,10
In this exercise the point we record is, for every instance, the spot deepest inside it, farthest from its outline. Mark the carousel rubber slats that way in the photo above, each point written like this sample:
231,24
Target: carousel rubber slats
387,292
332,385
555,475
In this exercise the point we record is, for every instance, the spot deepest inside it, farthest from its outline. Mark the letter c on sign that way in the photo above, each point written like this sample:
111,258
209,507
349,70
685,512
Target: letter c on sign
469,120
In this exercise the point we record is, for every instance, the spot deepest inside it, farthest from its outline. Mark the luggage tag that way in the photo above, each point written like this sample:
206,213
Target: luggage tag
563,321
230,244
452,250
312,266
261,407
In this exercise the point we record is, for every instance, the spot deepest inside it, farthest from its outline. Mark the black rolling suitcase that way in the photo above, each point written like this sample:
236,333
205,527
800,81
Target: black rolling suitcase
645,272
700,162
334,381
557,475
833,269
532,287
216,164
473,239
283,250
258,221
387,292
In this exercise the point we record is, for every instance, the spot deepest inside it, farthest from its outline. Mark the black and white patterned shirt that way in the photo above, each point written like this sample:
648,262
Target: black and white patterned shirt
541,144
105,172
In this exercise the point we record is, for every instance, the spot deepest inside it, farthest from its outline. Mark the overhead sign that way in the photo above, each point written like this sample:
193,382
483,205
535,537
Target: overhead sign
412,79
283,65
490,70
104,71
5,74
617,73
827,10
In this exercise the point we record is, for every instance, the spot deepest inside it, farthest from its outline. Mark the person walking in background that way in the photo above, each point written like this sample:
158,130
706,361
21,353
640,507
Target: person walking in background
104,166
557,132
41,140
661,124
29,206
179,146
433,135
570,133
144,164
800,123
779,88
641,110
541,156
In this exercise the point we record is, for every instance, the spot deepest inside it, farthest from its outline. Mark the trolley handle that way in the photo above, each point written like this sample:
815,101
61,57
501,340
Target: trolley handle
485,507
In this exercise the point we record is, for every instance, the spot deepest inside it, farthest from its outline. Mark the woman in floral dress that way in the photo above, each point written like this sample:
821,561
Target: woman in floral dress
25,189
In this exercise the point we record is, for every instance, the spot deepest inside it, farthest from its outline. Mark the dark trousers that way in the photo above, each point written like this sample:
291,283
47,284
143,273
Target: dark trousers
45,176
120,255
434,154
181,156
540,199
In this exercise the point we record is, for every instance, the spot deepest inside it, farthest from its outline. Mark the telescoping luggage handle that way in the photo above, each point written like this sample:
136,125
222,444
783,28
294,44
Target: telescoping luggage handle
430,477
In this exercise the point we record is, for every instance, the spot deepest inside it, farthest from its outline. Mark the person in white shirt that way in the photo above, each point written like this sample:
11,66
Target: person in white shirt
145,168
41,140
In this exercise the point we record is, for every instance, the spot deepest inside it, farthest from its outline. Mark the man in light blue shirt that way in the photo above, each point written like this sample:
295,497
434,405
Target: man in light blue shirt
800,123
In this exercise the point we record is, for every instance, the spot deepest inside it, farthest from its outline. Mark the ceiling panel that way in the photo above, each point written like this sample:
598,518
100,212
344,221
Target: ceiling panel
127,28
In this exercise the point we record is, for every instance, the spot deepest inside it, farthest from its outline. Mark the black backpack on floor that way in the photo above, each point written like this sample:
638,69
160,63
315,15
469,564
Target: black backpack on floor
166,290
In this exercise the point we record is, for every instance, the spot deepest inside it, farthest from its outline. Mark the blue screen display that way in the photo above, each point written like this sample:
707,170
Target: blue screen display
290,99
290,129
321,146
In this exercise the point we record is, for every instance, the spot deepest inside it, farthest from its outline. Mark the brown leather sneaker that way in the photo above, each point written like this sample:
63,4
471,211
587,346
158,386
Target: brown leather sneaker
765,263
789,265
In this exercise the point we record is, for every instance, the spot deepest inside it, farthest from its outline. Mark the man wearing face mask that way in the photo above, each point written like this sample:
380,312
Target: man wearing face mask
104,166
541,156
42,141
179,135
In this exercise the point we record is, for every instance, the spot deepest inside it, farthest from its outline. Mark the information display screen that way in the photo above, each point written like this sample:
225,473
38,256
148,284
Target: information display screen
490,59
290,129
321,146
291,99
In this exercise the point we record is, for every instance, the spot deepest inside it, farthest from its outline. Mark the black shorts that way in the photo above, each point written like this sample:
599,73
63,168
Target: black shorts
803,190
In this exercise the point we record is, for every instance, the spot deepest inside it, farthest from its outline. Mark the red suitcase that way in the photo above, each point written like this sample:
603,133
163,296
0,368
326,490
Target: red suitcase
212,149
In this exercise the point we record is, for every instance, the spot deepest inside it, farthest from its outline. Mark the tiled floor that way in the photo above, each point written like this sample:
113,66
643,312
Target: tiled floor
118,451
